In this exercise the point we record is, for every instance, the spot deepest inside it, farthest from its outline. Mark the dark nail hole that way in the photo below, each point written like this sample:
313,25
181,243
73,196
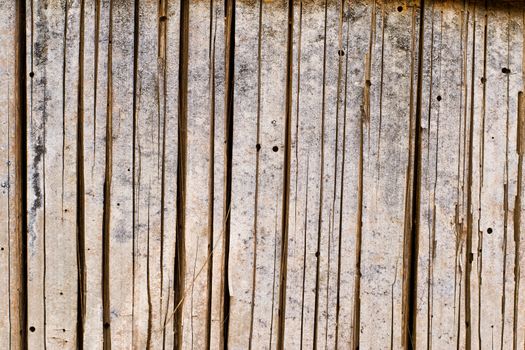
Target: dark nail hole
65,210
483,80
129,169
439,98
368,83
340,52
32,329
61,293
399,8
489,230
63,330
106,325
2,248
163,18
31,74
258,147
275,148
316,254
505,70
118,204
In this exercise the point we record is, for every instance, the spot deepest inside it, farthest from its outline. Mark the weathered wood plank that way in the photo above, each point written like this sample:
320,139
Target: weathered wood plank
257,172
60,228
147,183
121,201
10,181
388,153
95,89
446,242
52,145
357,42
215,267
200,238
374,170
168,56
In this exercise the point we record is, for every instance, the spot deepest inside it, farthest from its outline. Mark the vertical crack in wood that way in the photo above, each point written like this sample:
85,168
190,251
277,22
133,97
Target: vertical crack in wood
384,19
356,316
505,190
180,231
211,175
162,48
343,156
95,81
106,313
321,186
520,138
148,274
134,191
257,162
81,257
228,165
297,121
363,119
304,248
64,75
276,220
468,244
412,234
432,197
21,169
459,225
481,169
286,177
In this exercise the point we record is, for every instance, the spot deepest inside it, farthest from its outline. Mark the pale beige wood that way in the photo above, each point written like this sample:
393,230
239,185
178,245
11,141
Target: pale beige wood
325,251
169,36
515,83
356,50
447,262
259,111
217,68
52,265
348,81
485,184
96,34
10,231
388,151
430,132
35,211
294,320
499,174
147,327
309,141
199,240
122,216
60,229
243,238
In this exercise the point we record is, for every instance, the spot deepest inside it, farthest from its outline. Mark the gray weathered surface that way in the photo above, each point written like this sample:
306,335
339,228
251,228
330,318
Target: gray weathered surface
260,174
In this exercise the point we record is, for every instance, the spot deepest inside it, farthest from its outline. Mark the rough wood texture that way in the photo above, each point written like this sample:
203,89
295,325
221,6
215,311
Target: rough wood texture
257,174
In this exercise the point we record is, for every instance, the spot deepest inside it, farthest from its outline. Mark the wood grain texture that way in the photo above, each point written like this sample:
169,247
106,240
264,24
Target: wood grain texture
12,271
257,174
